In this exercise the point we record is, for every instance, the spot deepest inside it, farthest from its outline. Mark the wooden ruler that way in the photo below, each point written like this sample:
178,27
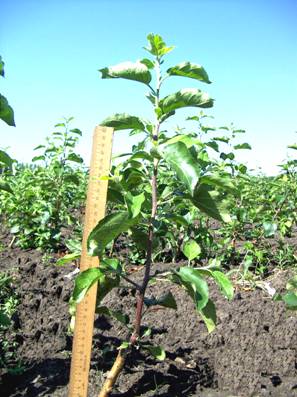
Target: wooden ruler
85,311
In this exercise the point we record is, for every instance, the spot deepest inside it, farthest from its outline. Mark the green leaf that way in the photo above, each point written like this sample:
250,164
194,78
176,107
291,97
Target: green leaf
182,161
157,46
222,139
213,145
124,345
114,196
191,249
107,229
118,315
105,285
72,178
195,285
140,238
292,284
137,71
6,112
76,131
186,139
134,203
68,258
229,156
5,159
84,281
4,319
38,158
187,97
178,219
1,67
270,229
190,70
294,146
243,146
156,351
148,63
141,154
166,300
111,265
290,299
208,314
224,182
75,157
207,200
123,121
224,283
5,186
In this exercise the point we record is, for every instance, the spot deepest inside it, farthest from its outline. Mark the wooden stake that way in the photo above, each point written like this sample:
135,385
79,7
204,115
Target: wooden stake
85,311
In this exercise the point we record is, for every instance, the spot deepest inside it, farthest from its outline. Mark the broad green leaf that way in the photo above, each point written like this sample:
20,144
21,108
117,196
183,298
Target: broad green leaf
270,229
6,112
115,196
243,146
124,345
141,154
247,263
293,146
5,186
292,284
75,157
178,219
1,67
227,156
207,200
191,70
105,285
137,71
5,159
84,281
191,249
157,46
107,229
187,97
68,258
223,182
4,320
156,351
195,285
134,203
188,140
112,265
38,158
132,177
208,314
118,315
72,178
224,283
166,300
181,160
222,139
213,145
290,298
123,121
76,131
148,63
140,238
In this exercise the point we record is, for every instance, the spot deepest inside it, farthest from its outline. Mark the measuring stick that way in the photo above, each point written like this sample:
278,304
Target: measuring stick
85,311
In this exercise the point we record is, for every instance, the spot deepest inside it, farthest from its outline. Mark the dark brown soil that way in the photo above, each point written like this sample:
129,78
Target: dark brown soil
252,352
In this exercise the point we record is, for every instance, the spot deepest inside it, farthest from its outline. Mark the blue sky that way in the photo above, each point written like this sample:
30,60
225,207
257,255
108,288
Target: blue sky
53,50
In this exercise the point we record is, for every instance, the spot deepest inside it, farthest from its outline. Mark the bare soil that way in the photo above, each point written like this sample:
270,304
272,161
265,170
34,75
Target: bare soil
252,352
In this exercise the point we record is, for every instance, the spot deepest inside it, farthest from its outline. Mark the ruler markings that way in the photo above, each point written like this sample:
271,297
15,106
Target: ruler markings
95,210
